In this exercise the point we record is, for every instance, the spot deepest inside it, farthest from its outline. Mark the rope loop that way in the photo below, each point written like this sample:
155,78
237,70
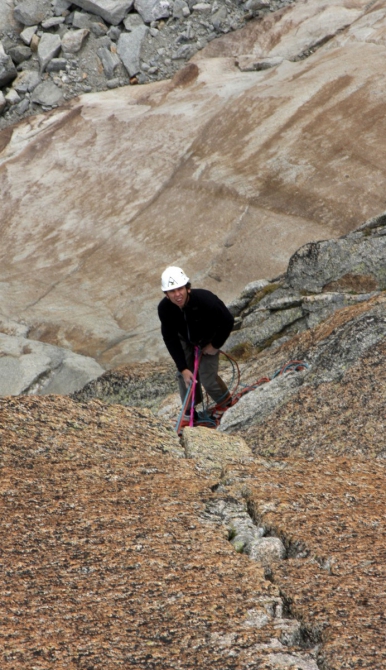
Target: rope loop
211,414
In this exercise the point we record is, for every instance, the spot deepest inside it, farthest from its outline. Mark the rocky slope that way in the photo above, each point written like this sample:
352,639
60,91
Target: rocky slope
259,545
53,51
227,169
327,310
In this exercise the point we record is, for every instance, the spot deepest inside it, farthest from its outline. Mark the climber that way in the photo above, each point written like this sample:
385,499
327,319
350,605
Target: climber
194,317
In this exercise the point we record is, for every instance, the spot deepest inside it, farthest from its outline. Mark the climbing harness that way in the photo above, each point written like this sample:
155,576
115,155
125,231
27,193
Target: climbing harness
211,414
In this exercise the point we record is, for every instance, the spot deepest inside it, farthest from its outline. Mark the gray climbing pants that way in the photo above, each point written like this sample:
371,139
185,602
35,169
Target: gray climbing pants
207,373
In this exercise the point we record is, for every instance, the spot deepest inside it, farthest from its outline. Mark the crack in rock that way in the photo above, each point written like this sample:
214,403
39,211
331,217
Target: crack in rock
259,543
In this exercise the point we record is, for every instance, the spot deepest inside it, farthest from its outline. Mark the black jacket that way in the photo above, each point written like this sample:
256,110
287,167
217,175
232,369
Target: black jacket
204,319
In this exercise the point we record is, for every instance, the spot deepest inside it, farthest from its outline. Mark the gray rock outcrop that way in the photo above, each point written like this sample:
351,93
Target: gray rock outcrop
353,264
321,278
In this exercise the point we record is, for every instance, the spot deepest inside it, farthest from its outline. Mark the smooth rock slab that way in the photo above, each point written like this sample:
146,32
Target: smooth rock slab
27,366
257,405
247,63
112,11
129,49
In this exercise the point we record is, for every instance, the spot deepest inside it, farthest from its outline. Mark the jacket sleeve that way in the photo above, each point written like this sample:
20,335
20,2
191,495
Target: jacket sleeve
170,337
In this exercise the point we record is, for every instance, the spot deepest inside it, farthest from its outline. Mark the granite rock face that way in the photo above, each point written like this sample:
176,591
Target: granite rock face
243,548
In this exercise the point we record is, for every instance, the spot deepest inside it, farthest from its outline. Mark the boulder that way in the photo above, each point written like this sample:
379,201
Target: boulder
261,326
52,22
8,71
47,94
318,264
20,53
82,20
27,34
23,106
57,64
12,97
129,49
180,9
133,21
26,81
318,308
49,47
219,18
3,101
112,11
109,60
257,405
202,7
30,12
61,7
72,41
153,10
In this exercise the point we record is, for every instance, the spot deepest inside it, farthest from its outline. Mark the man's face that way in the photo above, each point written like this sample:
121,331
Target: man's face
178,296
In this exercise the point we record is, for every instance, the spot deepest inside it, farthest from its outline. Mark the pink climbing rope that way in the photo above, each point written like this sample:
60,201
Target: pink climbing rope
195,374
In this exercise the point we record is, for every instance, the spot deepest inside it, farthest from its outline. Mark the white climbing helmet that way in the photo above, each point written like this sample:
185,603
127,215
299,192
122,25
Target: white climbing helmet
172,278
